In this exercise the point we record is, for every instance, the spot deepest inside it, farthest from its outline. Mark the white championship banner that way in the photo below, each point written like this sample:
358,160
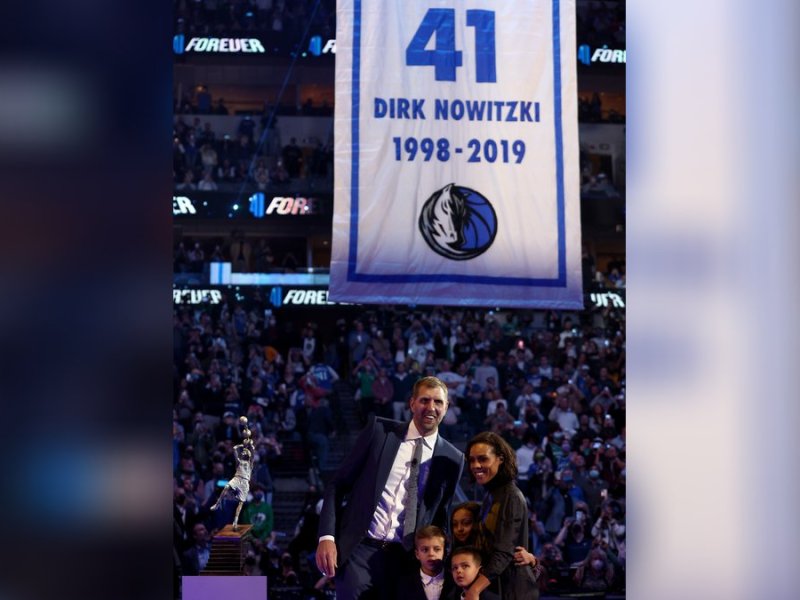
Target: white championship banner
456,154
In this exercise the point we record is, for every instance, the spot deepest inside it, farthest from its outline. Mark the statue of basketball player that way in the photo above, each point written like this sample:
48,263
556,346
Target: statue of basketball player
239,486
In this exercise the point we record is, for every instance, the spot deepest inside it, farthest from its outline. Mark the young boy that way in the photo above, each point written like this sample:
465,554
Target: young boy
465,564
430,583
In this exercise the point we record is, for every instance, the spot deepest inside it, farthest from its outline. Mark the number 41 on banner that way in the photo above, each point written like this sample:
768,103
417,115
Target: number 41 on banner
445,58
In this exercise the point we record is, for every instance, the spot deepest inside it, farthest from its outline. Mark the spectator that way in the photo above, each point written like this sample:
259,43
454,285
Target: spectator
599,187
584,432
207,184
290,264
525,461
572,538
207,135
358,340
286,577
178,156
527,395
220,108
278,175
402,383
451,380
418,348
485,371
201,439
292,158
226,172
545,369
610,465
558,504
594,487
184,514
610,531
259,514
494,402
245,130
208,157
320,429
365,373
196,557
191,152
556,570
203,98
383,392
500,421
563,414
187,185
267,448
285,420
596,573
534,420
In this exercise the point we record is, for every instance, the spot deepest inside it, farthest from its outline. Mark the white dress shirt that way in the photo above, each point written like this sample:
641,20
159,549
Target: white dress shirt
387,524
432,584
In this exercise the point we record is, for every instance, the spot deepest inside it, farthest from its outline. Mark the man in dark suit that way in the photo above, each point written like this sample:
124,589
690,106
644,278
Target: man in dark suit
196,557
395,471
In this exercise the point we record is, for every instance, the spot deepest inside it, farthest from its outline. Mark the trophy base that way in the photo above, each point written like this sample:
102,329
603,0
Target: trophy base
227,551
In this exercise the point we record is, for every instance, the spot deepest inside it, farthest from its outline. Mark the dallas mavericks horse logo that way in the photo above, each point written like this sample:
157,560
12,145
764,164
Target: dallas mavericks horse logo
458,223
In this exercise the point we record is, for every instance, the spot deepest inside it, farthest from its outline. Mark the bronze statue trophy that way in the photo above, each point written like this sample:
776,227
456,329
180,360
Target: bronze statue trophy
239,486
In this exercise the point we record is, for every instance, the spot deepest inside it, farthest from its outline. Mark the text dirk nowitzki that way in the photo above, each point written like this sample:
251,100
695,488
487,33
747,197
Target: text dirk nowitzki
456,110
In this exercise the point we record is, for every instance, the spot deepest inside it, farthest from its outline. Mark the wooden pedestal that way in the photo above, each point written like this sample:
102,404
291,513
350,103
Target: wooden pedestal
227,553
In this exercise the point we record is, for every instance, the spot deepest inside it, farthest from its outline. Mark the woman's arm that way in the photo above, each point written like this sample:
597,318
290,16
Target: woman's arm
474,592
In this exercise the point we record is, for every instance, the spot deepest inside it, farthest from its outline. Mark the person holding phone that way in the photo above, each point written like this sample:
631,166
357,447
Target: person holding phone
610,531
572,539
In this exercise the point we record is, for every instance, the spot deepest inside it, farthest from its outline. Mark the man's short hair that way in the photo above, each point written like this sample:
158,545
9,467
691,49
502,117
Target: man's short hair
429,382
428,532
473,551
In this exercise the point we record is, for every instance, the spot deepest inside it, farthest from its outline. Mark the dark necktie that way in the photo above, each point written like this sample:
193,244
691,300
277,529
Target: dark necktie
410,520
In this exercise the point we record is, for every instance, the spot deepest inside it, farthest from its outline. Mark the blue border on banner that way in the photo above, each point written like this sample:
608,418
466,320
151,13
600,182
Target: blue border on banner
353,275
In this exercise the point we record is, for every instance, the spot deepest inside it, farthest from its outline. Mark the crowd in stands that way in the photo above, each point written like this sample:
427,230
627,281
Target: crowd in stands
551,383
200,101
193,255
255,157
282,21
601,22
204,161
598,21
590,110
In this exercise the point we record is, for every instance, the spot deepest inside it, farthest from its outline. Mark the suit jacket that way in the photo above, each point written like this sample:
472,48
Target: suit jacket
409,587
352,496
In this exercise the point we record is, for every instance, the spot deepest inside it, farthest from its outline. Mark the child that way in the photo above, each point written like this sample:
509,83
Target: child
465,564
430,582
465,525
